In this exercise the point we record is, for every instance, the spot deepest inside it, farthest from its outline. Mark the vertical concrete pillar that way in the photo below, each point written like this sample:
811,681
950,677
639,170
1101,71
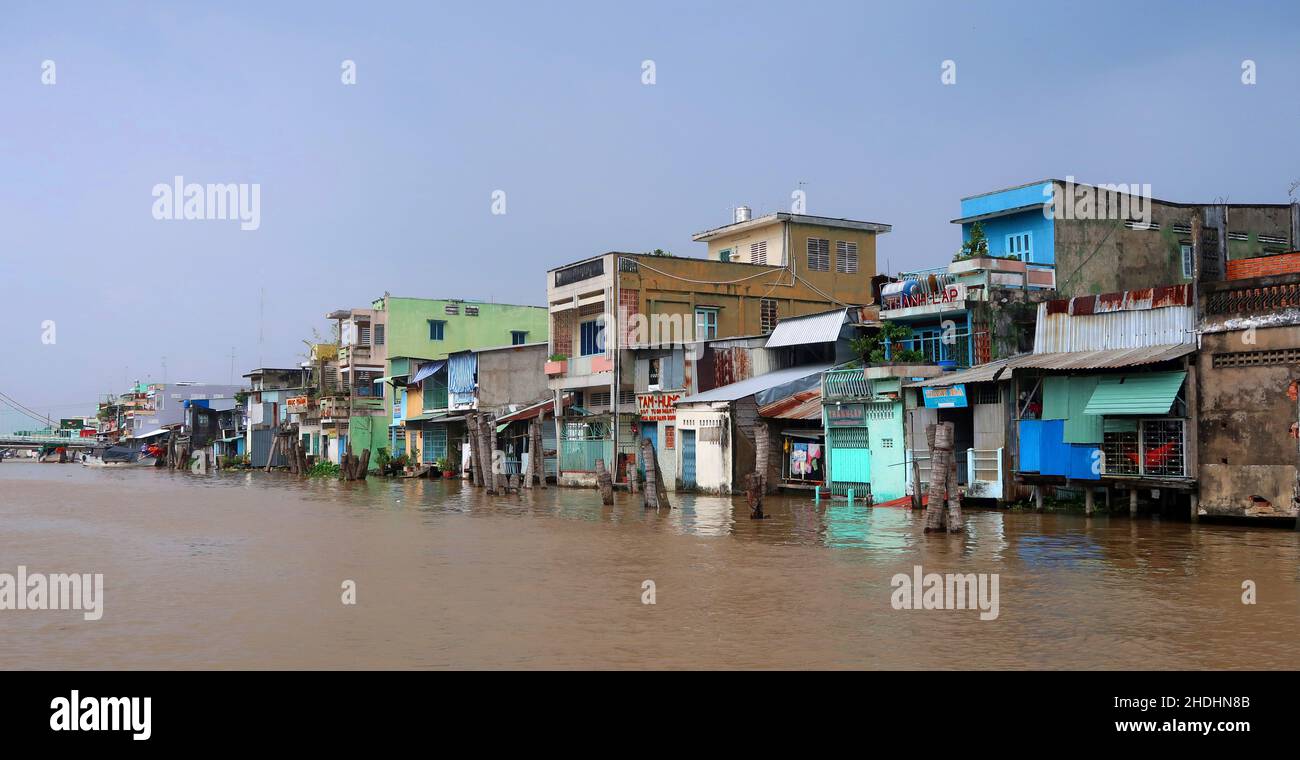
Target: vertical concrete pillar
1194,505
1088,501
1132,502
1038,498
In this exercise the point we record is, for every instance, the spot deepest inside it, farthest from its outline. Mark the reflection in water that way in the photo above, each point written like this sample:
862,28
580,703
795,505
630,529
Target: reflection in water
244,570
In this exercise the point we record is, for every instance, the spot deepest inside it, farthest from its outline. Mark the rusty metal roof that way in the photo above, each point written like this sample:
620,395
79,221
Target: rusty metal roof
1107,359
981,374
804,405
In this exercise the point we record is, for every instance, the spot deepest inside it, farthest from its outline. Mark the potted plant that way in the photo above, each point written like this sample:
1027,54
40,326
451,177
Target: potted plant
871,347
556,364
444,466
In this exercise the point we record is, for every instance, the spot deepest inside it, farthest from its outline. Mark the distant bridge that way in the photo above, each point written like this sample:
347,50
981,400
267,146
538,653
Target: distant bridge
12,441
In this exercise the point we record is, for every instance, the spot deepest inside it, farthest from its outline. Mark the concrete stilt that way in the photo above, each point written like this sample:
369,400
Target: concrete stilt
1088,501
1132,502
1194,506
1038,498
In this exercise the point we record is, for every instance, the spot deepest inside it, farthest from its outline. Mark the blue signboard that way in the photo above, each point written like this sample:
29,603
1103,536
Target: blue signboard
945,397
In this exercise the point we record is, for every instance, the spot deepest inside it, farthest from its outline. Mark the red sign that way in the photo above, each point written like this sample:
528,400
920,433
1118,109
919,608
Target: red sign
657,407
949,294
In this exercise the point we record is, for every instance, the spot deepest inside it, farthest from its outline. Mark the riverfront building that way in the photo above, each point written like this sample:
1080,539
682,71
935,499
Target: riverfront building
618,318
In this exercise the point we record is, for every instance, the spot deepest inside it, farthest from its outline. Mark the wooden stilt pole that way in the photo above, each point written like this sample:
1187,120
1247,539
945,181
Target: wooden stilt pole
489,443
604,483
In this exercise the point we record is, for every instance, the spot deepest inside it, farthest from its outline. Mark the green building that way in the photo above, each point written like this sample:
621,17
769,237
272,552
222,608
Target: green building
421,333
862,410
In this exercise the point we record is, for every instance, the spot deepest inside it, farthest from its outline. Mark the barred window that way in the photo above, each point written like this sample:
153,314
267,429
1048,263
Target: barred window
1153,448
767,314
819,255
846,257
451,309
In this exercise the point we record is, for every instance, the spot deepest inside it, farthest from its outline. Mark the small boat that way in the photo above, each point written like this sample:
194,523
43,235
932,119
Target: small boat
120,455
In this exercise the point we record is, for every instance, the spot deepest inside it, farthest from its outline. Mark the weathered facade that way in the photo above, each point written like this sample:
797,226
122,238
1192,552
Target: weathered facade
1101,240
620,318
1249,376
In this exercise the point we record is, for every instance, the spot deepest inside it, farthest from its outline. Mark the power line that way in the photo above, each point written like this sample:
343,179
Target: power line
16,408
10,400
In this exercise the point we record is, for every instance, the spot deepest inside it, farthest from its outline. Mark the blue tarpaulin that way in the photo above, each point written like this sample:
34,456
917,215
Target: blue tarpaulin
1082,460
1053,452
1031,434
426,371
460,372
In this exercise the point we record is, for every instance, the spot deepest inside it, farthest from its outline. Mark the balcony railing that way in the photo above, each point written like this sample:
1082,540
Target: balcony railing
361,406
961,349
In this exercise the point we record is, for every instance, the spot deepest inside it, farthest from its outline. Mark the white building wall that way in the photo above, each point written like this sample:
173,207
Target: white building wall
712,447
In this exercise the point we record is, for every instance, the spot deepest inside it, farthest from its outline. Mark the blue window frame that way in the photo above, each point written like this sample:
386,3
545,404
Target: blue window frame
437,328
518,337
706,324
1021,244
592,334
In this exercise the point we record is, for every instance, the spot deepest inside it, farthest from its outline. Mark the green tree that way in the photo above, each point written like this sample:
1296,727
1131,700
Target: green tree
977,246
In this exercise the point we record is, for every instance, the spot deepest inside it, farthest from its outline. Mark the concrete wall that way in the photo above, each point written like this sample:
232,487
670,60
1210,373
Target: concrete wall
512,376
1104,256
712,428
1247,453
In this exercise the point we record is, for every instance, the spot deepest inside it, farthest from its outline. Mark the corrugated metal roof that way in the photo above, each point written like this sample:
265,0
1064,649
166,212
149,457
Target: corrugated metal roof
756,384
804,405
981,374
1146,393
1108,359
810,328
1058,331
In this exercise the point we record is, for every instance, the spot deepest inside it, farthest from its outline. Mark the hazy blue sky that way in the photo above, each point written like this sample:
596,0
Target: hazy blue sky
386,185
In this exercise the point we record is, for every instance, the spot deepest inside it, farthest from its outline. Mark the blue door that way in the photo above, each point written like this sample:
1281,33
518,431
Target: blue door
688,458
650,432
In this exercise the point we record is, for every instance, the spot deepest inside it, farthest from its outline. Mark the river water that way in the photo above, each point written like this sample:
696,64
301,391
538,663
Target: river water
246,570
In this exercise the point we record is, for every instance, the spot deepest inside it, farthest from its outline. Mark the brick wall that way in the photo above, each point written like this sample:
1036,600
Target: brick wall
1264,266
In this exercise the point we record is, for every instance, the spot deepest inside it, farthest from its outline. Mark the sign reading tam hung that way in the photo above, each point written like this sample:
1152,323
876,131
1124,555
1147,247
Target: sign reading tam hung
846,415
297,404
945,397
657,407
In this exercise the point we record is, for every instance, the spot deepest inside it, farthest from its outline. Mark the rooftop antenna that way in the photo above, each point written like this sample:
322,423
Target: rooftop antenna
232,365
261,313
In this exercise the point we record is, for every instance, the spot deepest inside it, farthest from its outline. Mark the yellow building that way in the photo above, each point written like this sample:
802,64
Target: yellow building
612,313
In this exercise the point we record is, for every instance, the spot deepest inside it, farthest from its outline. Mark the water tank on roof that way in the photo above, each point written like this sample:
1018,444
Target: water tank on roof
900,288
743,214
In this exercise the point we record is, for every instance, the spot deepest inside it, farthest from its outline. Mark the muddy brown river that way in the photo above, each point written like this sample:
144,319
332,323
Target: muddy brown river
246,570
